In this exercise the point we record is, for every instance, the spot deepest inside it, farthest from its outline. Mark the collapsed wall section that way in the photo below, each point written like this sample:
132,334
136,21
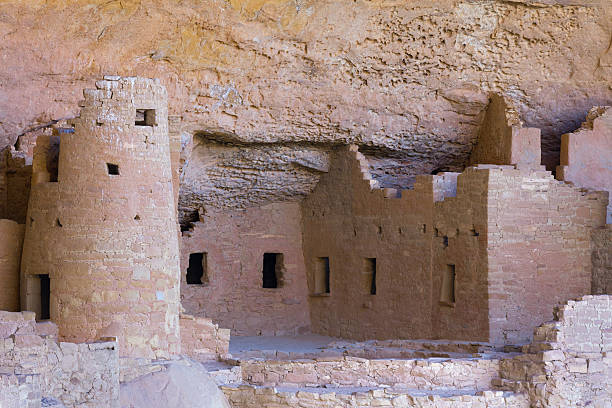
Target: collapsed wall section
106,233
586,154
568,364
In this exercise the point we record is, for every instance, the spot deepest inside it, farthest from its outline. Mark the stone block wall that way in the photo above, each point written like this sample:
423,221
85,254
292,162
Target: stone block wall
34,364
231,293
586,153
106,232
463,256
502,140
11,242
569,363
201,339
436,374
539,248
251,397
602,260
350,221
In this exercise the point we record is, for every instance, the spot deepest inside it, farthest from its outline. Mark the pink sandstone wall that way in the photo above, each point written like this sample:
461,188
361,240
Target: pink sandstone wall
518,241
110,242
347,221
235,242
11,241
502,139
586,154
539,248
602,260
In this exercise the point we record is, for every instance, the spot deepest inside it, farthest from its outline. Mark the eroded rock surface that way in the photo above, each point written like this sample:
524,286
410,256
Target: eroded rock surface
408,82
178,385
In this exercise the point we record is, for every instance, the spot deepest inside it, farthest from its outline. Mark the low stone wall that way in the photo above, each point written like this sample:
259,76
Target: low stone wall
84,375
19,391
569,364
431,374
201,339
252,397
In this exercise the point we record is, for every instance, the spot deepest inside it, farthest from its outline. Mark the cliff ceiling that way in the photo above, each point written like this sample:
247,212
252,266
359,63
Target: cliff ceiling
260,90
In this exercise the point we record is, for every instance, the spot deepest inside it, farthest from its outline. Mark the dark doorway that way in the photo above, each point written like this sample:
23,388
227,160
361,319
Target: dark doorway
45,297
272,266
197,270
371,274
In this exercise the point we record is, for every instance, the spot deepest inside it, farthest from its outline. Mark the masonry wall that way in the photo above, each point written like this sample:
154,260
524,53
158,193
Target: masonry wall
568,364
109,242
502,140
602,260
348,221
232,295
539,248
11,241
516,241
586,154
84,375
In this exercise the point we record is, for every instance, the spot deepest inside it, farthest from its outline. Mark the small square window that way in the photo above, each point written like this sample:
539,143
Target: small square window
145,117
113,169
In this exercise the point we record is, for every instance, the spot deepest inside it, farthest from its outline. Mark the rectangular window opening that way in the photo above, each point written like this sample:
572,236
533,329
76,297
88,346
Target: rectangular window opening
197,271
447,292
145,117
370,275
45,297
113,169
272,270
322,276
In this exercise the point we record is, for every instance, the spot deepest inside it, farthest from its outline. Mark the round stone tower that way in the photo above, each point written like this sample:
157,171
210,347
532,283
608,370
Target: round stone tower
104,235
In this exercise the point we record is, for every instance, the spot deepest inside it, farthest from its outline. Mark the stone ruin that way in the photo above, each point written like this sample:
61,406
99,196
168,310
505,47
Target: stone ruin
490,287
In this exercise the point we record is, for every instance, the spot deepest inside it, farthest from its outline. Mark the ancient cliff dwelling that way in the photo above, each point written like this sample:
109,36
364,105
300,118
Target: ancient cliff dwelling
306,203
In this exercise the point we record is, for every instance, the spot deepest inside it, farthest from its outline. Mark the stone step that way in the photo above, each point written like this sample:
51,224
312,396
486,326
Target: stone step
247,396
424,374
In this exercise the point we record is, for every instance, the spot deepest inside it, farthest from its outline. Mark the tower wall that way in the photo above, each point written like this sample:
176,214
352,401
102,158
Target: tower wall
11,239
106,232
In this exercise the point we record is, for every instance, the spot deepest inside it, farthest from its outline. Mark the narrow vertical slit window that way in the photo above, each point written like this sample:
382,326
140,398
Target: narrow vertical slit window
322,276
447,290
370,275
45,297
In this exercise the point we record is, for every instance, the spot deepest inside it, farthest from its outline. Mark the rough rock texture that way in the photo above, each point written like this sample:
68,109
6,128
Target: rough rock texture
407,80
178,385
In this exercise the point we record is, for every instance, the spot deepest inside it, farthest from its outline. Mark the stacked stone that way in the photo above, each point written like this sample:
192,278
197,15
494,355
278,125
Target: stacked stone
106,232
251,397
202,339
569,362
34,364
